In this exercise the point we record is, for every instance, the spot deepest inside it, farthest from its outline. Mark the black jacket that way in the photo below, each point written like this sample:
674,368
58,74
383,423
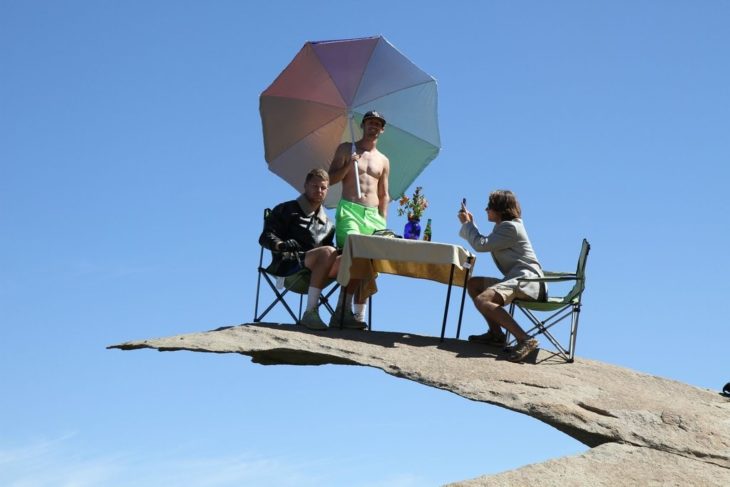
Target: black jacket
295,219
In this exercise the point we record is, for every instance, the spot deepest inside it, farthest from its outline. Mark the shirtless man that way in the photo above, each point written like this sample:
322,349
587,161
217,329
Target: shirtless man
363,214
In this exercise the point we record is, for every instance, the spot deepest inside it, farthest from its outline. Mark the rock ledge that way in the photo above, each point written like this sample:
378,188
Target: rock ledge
643,429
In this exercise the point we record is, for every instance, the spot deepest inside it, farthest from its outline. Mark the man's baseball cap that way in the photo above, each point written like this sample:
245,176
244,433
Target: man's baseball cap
373,114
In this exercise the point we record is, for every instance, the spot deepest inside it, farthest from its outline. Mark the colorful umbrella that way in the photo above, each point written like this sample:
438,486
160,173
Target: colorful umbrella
318,101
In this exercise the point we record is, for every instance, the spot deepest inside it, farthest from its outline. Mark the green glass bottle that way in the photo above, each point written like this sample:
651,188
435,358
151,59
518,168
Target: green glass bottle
427,232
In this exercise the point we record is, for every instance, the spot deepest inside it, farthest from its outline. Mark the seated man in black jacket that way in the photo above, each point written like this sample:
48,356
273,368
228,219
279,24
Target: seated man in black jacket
299,228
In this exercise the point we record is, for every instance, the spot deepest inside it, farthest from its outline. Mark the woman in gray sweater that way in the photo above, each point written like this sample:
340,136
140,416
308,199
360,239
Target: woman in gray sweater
512,253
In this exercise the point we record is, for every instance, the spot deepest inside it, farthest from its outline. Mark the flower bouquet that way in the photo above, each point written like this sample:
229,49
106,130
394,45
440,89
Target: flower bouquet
414,208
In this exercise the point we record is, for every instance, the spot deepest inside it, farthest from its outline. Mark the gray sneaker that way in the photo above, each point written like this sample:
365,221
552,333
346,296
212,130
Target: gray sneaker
353,323
335,318
522,350
350,321
312,320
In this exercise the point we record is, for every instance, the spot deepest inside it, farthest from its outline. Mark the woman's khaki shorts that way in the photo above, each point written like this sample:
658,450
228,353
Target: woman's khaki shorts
509,290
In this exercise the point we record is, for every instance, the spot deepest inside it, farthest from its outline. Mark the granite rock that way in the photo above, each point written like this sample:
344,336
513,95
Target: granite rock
627,417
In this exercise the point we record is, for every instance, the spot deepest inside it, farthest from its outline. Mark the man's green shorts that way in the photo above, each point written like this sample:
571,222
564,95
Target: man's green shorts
356,218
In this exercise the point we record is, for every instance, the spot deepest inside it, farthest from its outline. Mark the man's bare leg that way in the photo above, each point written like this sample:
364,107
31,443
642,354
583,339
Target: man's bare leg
343,315
475,287
320,262
490,305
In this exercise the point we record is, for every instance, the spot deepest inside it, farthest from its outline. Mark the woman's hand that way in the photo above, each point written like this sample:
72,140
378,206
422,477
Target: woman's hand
465,216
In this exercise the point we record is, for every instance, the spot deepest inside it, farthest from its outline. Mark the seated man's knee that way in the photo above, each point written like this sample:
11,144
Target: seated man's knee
320,256
489,300
474,286
327,255
313,257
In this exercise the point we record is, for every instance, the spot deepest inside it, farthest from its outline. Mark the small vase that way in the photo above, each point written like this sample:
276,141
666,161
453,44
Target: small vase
412,229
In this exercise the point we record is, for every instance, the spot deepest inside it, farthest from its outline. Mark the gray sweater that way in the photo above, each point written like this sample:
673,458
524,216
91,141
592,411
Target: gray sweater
511,250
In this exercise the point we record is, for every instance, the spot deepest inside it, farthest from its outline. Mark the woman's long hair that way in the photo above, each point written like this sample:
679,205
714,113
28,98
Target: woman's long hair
504,202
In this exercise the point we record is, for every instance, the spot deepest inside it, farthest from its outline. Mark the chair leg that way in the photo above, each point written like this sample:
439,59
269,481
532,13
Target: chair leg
542,327
512,314
324,298
258,289
279,299
574,331
370,313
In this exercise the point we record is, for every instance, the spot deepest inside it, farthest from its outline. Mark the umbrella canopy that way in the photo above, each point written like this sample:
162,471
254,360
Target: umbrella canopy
321,96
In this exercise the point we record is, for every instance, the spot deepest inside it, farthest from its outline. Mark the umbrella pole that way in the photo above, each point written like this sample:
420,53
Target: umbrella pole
357,173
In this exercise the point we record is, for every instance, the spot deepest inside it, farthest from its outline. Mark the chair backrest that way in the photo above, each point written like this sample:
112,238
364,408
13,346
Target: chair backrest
580,274
267,212
297,282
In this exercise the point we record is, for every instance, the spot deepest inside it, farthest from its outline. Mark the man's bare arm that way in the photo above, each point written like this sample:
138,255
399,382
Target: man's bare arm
383,197
339,166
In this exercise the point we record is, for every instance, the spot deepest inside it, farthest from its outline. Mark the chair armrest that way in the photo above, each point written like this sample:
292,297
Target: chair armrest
555,277
558,274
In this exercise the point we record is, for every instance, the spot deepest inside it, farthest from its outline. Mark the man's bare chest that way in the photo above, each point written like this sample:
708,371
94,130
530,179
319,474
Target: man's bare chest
371,164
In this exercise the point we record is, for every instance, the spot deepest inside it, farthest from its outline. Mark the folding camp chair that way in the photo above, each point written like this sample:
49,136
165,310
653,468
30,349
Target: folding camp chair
559,307
297,283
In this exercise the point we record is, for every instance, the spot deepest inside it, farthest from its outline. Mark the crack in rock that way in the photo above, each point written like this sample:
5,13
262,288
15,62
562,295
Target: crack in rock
597,410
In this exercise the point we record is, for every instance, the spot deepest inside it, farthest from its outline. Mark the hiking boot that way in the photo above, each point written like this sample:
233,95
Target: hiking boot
350,321
489,338
522,350
312,320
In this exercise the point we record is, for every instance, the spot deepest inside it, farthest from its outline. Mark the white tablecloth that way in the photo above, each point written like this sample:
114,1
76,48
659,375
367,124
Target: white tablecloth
364,256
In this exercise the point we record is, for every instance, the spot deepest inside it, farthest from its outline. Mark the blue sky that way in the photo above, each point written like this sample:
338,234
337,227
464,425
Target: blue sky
132,182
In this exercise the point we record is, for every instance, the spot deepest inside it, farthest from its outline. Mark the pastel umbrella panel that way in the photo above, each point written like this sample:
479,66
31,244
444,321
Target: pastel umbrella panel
306,111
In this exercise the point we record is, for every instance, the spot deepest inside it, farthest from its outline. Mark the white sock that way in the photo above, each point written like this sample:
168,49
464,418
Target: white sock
313,297
360,311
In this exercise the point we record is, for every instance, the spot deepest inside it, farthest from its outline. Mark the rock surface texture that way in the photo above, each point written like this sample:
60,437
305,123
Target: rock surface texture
643,430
